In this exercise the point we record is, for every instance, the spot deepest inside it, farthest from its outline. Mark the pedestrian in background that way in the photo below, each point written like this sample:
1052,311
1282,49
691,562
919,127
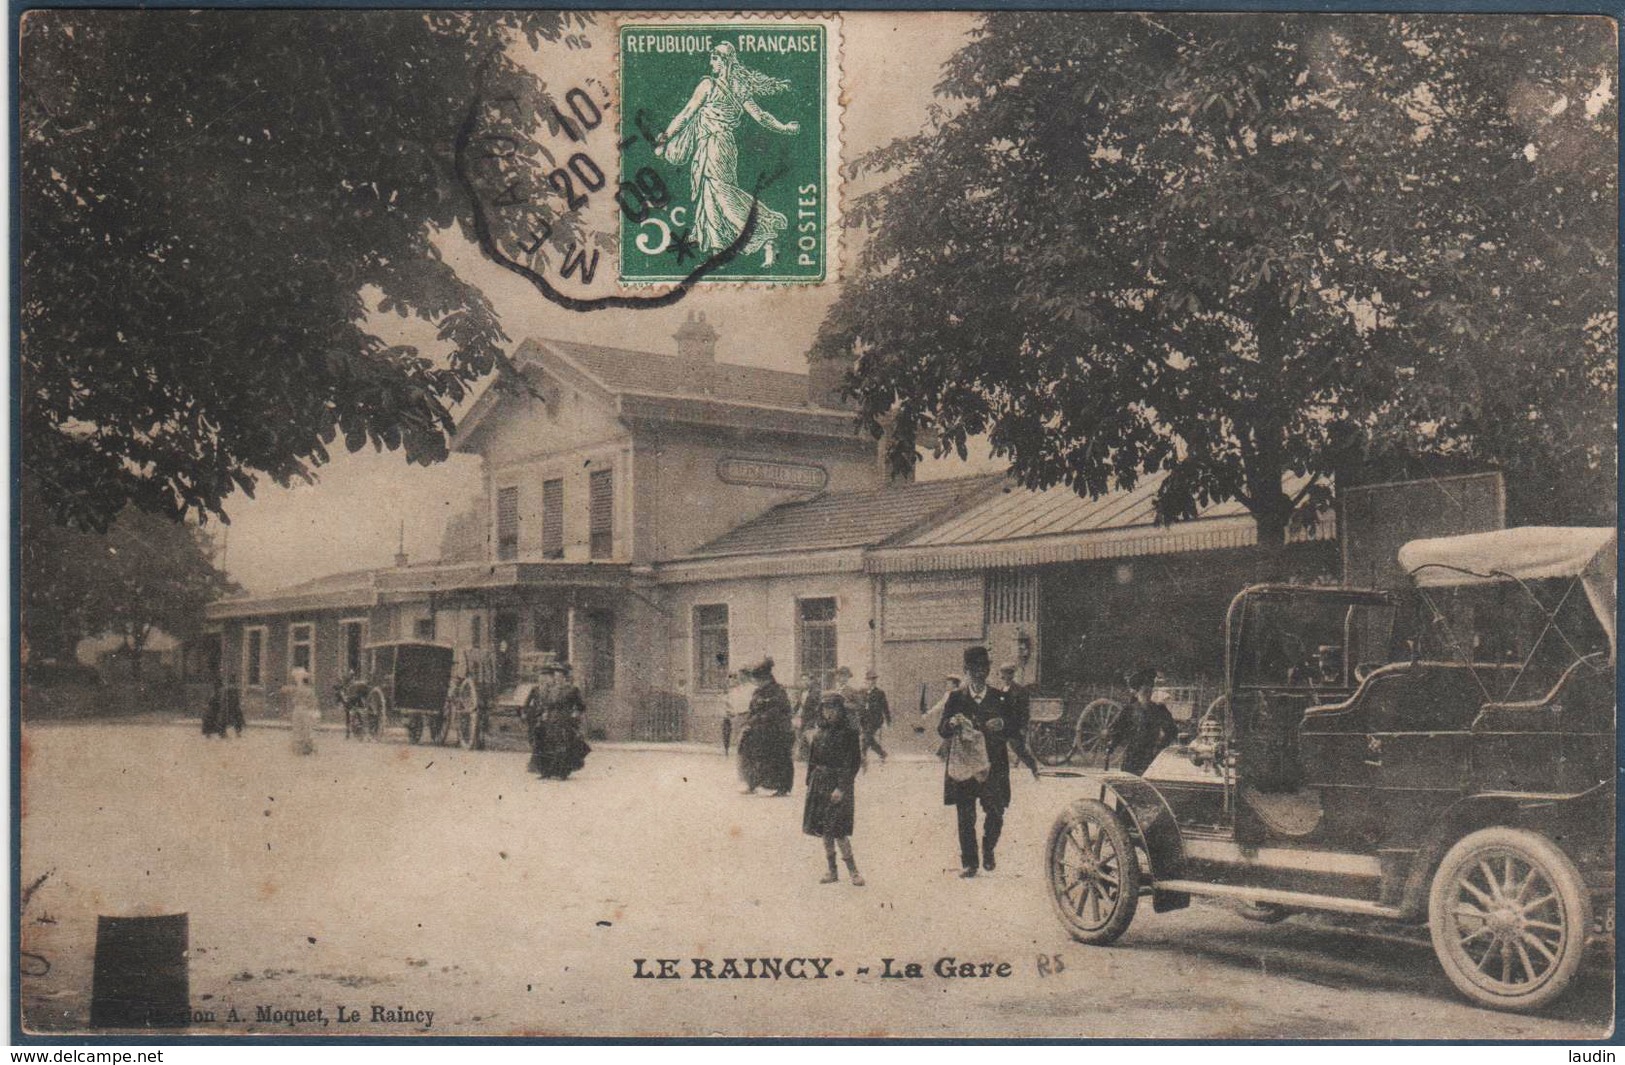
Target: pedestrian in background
807,714
1018,705
832,774
875,715
303,711
767,742
1144,727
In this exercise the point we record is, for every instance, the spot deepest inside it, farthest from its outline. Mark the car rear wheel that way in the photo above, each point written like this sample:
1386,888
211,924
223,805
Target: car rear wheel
1509,916
1094,878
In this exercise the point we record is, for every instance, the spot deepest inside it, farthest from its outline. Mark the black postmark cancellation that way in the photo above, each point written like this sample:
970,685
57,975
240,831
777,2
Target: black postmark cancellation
536,203
947,967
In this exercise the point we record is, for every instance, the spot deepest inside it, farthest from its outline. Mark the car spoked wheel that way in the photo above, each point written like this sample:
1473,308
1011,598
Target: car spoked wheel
1094,877
1509,916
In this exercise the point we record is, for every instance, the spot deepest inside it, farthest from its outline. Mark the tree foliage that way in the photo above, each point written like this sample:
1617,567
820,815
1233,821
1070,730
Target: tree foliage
1233,248
212,204
146,572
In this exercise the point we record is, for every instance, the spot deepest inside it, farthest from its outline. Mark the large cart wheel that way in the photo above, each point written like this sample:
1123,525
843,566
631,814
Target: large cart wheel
470,720
377,711
414,728
1509,916
1051,743
1094,878
1093,725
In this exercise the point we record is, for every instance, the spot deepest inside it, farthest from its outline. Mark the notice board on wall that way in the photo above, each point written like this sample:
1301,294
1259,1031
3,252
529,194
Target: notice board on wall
933,606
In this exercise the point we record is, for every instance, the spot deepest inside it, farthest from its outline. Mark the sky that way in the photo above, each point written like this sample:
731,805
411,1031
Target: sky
364,504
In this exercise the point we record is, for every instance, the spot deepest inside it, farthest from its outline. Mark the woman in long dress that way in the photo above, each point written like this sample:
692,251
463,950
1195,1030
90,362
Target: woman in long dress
304,713
702,137
769,737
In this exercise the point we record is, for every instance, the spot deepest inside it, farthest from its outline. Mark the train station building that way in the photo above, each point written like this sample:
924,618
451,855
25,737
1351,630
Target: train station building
661,520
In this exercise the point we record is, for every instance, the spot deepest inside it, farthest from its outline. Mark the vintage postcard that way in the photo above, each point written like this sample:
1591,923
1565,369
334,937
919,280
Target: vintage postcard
867,525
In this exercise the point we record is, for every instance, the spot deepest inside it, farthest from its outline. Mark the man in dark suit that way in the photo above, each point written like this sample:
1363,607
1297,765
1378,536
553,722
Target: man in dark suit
1144,727
978,706
1018,715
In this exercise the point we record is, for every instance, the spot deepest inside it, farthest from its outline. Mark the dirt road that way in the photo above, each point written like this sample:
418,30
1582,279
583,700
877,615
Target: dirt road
395,882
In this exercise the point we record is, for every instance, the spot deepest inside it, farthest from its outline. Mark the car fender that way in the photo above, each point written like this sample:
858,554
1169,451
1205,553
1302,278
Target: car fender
1557,817
1152,819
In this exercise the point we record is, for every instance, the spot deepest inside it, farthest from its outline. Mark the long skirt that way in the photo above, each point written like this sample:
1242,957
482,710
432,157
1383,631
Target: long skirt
825,815
558,749
304,731
766,759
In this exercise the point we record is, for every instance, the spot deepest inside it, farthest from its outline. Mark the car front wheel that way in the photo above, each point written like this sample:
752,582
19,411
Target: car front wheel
1094,878
1509,916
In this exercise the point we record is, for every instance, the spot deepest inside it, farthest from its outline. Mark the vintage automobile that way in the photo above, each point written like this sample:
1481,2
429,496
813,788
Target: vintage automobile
1442,755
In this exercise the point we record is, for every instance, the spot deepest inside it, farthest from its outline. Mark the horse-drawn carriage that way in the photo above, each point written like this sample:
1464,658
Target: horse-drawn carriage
440,694
1072,729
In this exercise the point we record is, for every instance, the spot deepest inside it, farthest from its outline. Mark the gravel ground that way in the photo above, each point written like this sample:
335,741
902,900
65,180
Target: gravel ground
423,879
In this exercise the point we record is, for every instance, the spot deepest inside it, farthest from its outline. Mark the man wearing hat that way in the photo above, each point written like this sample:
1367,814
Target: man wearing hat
1018,705
767,744
1144,727
874,714
978,706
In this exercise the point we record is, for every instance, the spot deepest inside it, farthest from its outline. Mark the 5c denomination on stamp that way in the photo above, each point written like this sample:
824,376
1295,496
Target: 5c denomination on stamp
729,138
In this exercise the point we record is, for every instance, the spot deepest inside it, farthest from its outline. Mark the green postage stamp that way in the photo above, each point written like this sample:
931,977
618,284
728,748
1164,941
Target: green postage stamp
730,148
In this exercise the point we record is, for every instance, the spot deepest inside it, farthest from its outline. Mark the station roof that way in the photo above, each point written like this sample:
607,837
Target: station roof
352,589
850,519
624,372
1022,527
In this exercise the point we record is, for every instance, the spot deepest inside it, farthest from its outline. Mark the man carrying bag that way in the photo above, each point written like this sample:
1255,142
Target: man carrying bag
972,720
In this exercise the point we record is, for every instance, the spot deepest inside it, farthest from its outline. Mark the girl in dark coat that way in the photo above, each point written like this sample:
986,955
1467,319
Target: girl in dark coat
833,761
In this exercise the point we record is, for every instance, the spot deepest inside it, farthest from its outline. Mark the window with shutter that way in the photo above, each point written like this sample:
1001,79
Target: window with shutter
553,519
601,518
507,523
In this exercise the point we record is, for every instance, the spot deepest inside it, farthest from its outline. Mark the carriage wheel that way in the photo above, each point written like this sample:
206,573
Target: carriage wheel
377,710
414,728
1052,744
1093,725
466,708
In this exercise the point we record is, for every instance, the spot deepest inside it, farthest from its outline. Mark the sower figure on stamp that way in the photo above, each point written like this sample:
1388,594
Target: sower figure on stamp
973,711
876,715
702,136
1144,727
832,773
766,746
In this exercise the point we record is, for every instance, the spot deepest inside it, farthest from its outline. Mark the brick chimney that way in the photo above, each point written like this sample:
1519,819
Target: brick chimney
696,339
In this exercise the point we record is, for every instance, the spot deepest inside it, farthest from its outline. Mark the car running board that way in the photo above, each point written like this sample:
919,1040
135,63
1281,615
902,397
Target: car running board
1296,900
